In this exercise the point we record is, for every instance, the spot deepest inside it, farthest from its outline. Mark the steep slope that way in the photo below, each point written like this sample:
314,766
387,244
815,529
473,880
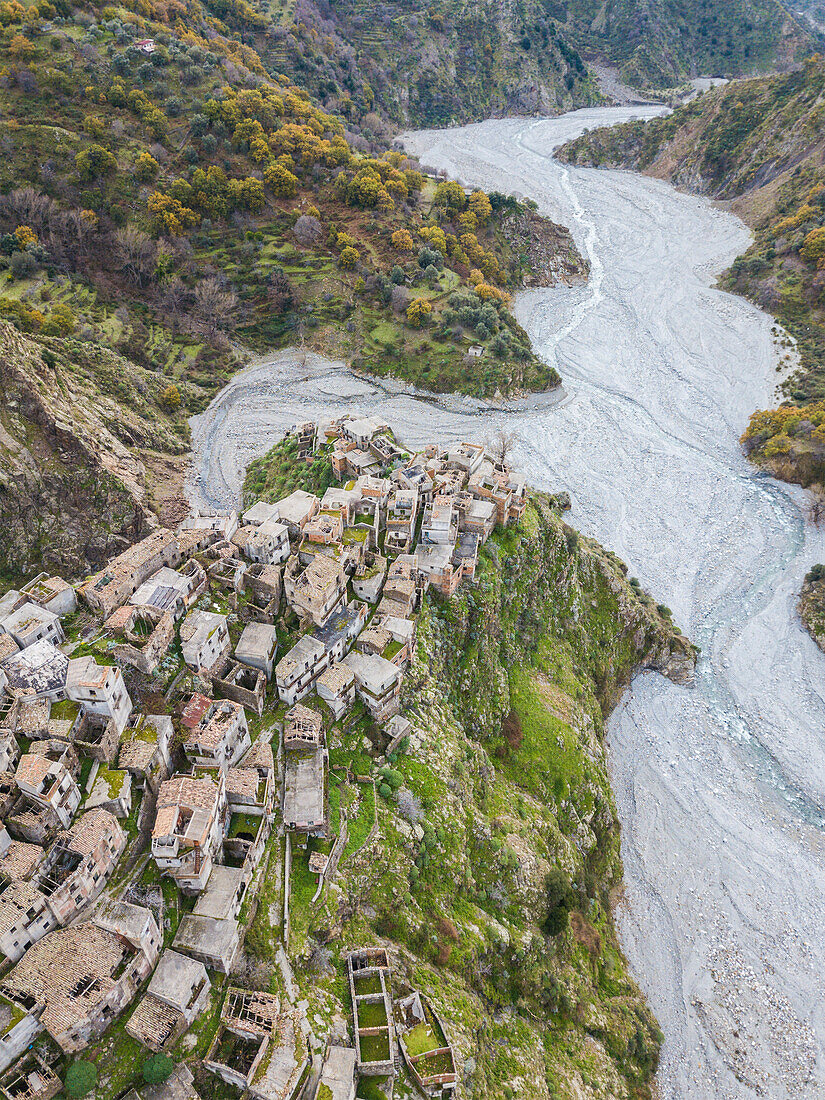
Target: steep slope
432,65
492,870
166,201
759,145
659,43
74,420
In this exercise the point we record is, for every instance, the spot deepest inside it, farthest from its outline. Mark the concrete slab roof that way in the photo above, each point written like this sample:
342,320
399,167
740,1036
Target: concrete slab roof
219,897
175,977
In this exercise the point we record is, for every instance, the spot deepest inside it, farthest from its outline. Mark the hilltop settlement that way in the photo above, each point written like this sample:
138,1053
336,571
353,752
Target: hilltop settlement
165,774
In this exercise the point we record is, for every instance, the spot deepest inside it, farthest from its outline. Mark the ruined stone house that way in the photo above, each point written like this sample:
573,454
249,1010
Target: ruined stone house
220,737
315,592
266,543
204,639
177,994
38,672
48,783
30,623
77,980
188,829
377,683
99,689
336,686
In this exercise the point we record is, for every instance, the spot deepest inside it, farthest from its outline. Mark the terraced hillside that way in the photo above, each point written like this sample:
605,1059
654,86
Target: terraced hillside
427,64
660,43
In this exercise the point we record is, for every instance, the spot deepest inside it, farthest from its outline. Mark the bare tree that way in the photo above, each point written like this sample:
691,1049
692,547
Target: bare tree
214,304
501,445
173,293
137,253
408,806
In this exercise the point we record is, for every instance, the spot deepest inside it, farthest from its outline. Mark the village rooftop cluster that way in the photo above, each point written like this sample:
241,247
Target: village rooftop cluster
137,714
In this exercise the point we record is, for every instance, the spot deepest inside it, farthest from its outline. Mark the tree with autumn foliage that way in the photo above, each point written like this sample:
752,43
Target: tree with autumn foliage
418,311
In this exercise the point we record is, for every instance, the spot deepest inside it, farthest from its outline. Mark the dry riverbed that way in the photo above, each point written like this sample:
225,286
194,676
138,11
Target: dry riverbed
720,787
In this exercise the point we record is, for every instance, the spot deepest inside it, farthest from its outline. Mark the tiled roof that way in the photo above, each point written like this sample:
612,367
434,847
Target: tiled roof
32,769
20,860
259,756
184,790
15,902
86,833
195,709
52,968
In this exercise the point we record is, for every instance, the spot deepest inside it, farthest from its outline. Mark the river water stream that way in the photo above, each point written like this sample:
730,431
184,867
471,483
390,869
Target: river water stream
721,786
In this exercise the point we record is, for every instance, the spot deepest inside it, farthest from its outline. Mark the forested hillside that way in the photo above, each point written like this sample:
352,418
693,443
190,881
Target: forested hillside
430,64
660,43
161,201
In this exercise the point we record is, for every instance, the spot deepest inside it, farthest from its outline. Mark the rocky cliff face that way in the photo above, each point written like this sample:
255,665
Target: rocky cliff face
526,665
812,605
73,420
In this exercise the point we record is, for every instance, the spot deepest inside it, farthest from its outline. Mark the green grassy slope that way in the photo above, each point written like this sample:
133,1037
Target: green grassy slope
497,848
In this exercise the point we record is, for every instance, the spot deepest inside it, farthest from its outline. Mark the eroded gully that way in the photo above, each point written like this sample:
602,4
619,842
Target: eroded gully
720,787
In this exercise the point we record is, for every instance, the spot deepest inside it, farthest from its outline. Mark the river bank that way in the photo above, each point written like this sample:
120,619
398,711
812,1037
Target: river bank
719,787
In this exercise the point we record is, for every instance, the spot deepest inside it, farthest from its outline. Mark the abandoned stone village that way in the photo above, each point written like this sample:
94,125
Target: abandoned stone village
166,729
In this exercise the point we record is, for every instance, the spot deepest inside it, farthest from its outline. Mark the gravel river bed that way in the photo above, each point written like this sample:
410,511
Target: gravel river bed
720,786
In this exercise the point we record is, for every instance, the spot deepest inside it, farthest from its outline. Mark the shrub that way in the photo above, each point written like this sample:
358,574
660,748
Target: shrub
80,1079
170,398
349,258
23,265
169,215
25,236
146,167
408,806
559,900
157,1068
417,311
281,182
21,48
402,240
364,190
385,790
480,205
813,249
94,162
61,321
450,195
